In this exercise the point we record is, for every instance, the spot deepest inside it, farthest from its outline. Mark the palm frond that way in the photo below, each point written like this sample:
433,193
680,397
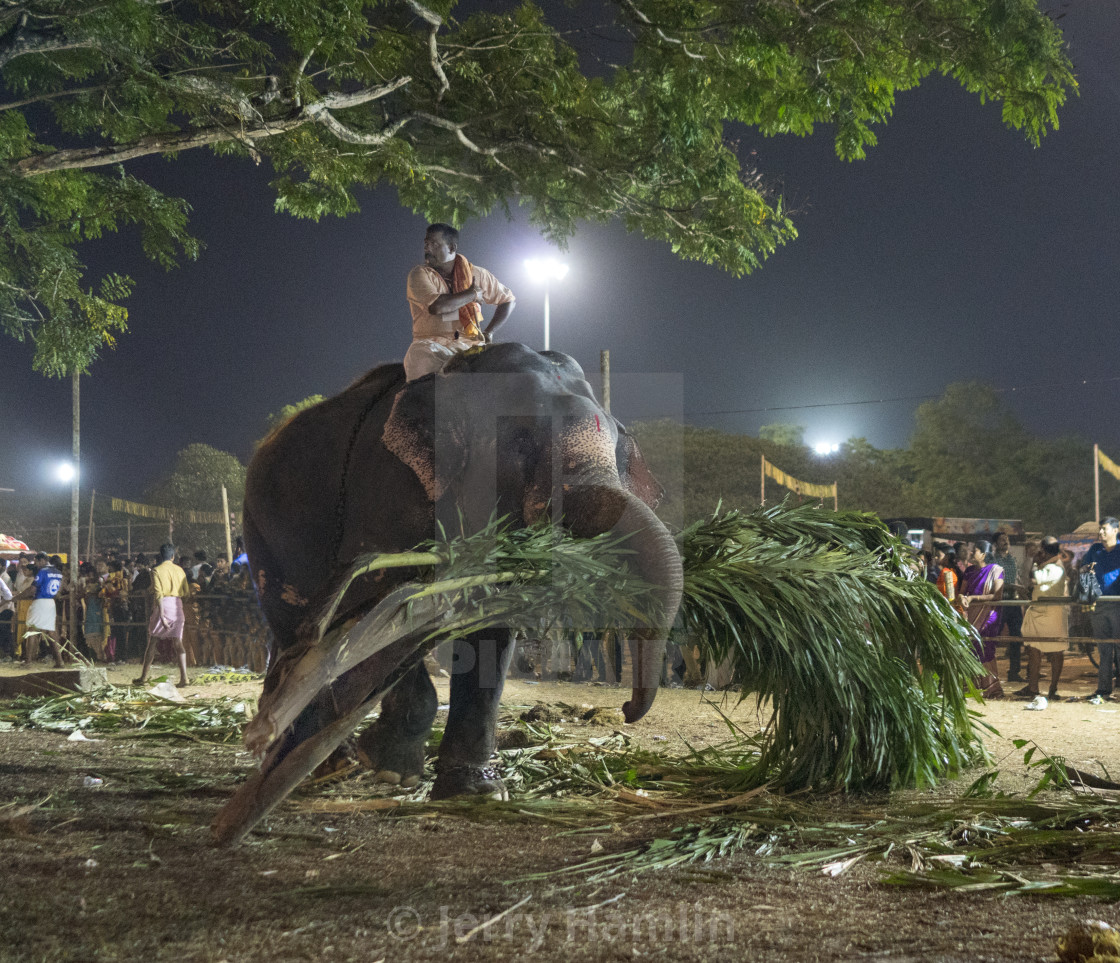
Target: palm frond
864,671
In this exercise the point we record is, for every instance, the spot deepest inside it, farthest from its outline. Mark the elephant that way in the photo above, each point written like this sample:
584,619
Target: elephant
502,430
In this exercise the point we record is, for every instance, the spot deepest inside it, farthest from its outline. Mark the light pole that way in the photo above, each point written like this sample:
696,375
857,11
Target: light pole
548,269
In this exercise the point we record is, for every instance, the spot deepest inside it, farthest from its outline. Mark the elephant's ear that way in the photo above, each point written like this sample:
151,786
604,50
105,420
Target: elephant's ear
633,470
427,446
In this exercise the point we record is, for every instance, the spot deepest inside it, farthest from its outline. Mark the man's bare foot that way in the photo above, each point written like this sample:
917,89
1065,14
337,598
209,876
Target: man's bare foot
60,665
140,681
182,685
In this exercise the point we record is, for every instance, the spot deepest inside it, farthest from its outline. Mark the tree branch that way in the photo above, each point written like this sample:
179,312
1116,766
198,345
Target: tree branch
172,142
20,41
643,19
344,133
436,21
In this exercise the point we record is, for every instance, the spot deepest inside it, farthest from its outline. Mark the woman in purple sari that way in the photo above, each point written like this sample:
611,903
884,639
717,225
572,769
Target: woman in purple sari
981,585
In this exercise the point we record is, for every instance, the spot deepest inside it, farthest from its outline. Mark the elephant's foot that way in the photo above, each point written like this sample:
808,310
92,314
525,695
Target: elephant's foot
396,761
338,761
469,781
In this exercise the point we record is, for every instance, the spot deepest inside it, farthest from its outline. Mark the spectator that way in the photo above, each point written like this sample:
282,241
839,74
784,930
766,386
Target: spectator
937,561
114,593
948,580
7,613
1104,559
1046,627
169,588
1010,616
196,566
42,615
139,605
981,585
239,555
221,569
24,576
94,622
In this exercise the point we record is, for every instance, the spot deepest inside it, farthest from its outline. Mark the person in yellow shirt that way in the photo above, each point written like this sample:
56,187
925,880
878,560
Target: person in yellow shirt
169,588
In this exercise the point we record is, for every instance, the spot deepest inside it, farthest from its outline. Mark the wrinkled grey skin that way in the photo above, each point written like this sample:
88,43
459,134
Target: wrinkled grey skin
503,430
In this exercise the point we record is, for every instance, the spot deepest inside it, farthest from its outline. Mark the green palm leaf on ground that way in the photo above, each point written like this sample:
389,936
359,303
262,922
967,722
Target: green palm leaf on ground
864,671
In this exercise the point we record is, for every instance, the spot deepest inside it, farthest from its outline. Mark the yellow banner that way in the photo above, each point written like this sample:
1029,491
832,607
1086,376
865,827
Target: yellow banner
1108,464
795,485
184,515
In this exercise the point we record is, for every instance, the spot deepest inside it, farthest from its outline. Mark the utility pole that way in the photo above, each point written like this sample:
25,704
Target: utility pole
605,369
75,483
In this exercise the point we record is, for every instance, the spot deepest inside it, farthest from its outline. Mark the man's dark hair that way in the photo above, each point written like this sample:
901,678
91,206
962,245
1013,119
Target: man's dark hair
40,555
1050,545
1110,522
200,556
56,561
447,232
166,552
141,559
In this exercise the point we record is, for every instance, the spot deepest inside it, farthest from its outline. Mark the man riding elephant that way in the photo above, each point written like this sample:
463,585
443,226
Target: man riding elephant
444,294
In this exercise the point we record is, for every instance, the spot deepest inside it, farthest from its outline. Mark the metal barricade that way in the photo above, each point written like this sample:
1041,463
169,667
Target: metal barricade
223,627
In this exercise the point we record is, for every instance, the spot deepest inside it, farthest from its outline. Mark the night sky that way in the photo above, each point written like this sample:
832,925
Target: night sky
954,251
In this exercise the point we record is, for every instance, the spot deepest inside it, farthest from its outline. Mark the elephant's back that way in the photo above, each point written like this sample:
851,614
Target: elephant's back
306,485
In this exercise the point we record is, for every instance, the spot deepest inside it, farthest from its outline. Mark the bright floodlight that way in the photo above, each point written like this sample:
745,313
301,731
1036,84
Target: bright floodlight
65,471
546,268
826,448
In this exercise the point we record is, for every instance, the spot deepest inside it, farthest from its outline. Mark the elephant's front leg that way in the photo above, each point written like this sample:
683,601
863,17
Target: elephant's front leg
393,746
477,676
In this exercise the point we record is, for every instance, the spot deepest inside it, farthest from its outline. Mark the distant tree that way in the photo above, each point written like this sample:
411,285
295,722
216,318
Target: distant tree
460,117
972,457
279,418
874,479
792,436
195,482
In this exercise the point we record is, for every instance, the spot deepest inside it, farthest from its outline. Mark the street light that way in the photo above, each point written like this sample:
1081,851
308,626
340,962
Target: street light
826,448
550,270
65,472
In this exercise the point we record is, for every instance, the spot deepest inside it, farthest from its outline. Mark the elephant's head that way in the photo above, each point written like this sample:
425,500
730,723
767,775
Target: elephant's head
509,430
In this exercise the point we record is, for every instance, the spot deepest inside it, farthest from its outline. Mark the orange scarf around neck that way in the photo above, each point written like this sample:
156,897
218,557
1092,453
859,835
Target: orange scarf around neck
470,315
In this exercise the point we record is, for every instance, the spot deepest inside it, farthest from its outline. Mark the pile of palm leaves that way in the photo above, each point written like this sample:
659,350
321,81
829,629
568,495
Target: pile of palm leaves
131,711
864,670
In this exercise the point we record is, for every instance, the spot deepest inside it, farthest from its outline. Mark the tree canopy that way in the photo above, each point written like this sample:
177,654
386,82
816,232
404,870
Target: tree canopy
461,116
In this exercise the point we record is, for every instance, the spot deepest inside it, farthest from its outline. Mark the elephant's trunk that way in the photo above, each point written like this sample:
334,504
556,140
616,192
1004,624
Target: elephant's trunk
589,510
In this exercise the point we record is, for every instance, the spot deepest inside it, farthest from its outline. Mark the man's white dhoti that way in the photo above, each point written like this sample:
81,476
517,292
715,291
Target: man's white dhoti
42,616
428,355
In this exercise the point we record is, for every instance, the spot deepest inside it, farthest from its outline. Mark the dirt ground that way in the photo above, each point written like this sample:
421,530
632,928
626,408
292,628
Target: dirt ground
125,870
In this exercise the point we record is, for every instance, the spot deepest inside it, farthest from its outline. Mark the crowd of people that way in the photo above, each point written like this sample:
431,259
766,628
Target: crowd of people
976,576
119,611
116,597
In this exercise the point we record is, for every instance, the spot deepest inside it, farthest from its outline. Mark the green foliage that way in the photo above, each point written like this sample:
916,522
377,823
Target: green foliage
460,117
863,671
278,419
969,456
792,436
195,482
703,467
